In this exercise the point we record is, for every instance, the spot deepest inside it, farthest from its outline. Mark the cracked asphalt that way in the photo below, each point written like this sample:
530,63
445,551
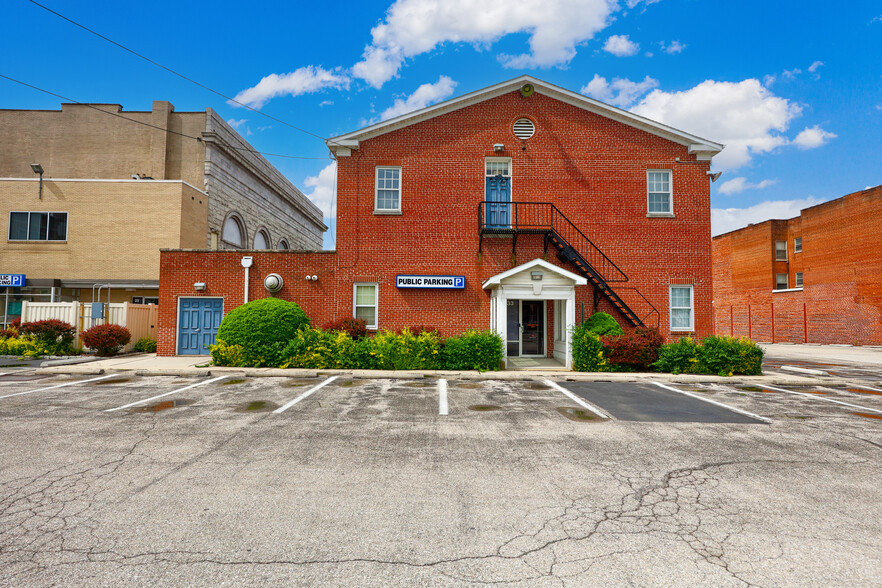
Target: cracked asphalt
363,484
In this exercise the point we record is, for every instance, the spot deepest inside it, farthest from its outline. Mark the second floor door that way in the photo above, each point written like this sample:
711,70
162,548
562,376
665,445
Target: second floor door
497,192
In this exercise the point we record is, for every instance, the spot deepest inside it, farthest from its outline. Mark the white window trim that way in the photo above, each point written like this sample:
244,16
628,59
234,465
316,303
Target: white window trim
376,286
377,209
787,290
786,256
670,213
795,250
243,231
798,279
29,212
691,308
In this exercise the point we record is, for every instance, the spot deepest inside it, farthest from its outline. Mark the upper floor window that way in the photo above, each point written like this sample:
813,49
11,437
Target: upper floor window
234,232
799,279
261,240
658,188
283,245
797,245
37,226
388,190
781,282
780,250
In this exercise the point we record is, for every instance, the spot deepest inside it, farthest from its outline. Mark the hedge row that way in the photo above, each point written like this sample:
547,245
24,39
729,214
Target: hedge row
319,349
600,346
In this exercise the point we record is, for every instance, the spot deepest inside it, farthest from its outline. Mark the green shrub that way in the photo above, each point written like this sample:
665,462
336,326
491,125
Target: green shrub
145,345
602,324
106,339
22,346
473,350
317,349
678,358
262,328
726,356
226,355
588,350
407,350
723,356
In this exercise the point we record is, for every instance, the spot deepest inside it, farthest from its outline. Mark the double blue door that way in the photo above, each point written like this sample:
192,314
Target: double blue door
498,202
198,321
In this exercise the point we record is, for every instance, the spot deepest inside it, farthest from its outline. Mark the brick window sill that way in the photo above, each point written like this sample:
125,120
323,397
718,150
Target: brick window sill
387,212
660,215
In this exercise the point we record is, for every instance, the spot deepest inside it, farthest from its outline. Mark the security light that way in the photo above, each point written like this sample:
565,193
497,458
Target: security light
536,276
38,169
714,176
498,147
199,286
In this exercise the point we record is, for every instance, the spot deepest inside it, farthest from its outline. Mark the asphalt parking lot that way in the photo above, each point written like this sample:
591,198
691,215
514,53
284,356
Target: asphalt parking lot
116,480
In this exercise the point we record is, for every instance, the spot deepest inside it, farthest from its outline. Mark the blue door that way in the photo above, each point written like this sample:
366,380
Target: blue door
498,202
197,324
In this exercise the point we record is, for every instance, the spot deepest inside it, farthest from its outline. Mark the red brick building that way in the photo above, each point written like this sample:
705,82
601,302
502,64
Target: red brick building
520,207
816,278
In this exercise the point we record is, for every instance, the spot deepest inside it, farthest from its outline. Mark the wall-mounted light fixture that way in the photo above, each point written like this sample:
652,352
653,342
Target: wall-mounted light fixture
498,147
38,169
200,286
536,276
714,176
273,283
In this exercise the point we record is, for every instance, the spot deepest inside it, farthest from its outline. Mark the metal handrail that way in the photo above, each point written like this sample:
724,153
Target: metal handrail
537,217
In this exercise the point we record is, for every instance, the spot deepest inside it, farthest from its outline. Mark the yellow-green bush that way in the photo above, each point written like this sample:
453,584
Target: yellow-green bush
23,346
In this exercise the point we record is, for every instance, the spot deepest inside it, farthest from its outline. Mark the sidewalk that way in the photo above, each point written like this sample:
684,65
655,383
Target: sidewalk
151,365
870,356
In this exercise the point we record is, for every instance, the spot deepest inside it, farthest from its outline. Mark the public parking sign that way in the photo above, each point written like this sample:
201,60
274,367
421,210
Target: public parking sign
451,282
12,280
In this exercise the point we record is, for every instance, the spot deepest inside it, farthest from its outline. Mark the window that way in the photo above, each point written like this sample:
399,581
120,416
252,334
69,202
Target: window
283,245
388,198
560,320
497,166
780,281
797,245
681,308
365,303
37,226
799,279
234,232
658,187
261,240
780,250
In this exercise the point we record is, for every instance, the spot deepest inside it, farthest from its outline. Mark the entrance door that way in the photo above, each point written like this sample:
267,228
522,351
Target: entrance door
513,329
533,324
198,320
497,171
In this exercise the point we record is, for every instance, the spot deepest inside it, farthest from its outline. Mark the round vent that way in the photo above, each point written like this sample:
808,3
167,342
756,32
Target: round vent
524,128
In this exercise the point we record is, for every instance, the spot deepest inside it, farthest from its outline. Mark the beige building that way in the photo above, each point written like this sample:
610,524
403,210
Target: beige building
116,186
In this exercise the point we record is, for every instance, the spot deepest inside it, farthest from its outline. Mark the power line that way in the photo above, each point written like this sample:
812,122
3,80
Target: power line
170,70
116,114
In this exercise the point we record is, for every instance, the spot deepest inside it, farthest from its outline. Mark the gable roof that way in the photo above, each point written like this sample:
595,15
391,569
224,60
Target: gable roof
705,149
536,263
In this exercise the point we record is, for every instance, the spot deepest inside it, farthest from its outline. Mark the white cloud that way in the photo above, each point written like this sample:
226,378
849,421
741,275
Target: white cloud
423,96
412,27
237,123
621,92
621,46
673,47
813,137
737,185
724,220
769,79
301,81
324,187
745,116
815,65
326,103
791,74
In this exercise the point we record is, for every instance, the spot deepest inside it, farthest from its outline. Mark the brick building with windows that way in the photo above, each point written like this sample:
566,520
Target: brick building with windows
814,278
521,207
91,192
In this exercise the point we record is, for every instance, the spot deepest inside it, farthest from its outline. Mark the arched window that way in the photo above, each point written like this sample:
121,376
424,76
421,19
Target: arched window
234,232
283,244
261,240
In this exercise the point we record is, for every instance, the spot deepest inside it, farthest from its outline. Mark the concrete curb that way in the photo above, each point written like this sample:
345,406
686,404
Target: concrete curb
774,380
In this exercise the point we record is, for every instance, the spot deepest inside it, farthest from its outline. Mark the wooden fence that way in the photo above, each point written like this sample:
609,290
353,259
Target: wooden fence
139,319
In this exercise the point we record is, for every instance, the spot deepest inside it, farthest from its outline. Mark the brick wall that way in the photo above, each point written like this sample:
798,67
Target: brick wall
592,168
841,301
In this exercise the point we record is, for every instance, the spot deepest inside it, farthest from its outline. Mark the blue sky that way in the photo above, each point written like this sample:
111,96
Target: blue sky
793,88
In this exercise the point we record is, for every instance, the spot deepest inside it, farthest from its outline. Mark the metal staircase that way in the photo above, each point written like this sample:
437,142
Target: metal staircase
544,218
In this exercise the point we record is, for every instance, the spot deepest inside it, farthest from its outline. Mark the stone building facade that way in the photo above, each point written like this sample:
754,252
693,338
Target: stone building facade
127,183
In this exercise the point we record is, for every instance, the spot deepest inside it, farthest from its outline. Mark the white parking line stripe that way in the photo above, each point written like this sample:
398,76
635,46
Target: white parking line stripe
726,406
576,399
304,395
137,402
866,387
58,386
443,408
816,397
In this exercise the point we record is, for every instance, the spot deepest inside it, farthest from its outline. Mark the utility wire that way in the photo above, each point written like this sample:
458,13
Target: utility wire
170,70
116,114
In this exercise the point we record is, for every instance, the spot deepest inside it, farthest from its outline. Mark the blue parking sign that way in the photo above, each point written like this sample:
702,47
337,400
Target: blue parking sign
12,280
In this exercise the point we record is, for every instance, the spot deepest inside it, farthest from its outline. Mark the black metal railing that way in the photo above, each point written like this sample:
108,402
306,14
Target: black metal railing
546,218
642,308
